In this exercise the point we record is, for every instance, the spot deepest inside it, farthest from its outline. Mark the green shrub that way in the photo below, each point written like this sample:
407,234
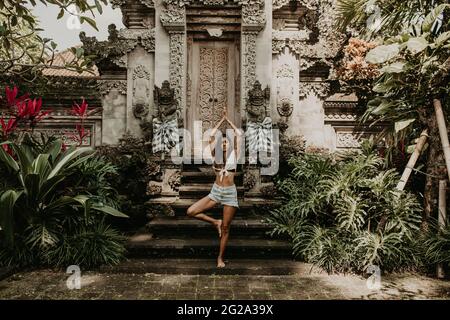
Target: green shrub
55,197
343,213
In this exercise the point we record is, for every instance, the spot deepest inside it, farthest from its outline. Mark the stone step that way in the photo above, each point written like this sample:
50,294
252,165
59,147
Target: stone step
186,227
200,190
247,207
208,267
143,246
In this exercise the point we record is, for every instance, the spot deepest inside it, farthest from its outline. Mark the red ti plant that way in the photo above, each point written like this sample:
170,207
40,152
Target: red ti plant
23,109
11,97
81,111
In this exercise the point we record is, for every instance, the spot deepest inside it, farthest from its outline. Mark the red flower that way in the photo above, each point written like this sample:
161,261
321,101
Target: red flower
32,110
80,111
11,96
7,127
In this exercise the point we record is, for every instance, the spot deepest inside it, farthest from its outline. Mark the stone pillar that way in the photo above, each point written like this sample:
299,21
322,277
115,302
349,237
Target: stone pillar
114,102
253,21
173,18
140,75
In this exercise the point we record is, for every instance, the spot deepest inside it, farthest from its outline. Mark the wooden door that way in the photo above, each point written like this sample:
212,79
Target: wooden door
213,75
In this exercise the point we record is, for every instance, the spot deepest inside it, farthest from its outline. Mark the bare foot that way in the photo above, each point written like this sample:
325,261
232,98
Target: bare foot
219,227
220,263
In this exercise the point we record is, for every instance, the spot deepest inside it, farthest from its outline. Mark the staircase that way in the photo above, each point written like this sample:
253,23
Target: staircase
183,244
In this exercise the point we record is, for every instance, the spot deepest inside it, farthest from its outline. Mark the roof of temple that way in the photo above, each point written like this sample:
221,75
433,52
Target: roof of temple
60,60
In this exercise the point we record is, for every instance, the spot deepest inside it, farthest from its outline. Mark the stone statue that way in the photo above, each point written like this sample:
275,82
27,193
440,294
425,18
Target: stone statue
257,102
165,102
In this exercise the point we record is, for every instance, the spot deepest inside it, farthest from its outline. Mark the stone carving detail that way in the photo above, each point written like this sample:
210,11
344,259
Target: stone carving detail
249,180
285,90
257,102
148,3
174,180
165,102
146,38
174,12
118,45
277,4
176,70
321,89
154,188
348,139
327,42
141,91
248,61
253,12
117,3
213,80
105,86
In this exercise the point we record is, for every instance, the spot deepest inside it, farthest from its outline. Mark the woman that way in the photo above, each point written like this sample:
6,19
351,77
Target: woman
223,191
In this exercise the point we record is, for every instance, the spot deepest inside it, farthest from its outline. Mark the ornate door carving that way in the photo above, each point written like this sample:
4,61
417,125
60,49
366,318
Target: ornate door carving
212,72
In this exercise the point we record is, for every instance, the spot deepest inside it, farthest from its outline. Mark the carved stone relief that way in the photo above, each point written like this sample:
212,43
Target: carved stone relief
177,61
105,86
141,91
320,88
327,41
248,70
285,90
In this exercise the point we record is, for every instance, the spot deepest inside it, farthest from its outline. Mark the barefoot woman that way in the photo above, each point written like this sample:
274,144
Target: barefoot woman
223,191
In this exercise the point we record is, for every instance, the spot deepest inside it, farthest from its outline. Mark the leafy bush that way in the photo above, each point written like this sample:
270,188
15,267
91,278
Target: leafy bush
437,245
345,215
135,166
56,204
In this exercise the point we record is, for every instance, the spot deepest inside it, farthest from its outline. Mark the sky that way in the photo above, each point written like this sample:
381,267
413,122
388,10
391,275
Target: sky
65,31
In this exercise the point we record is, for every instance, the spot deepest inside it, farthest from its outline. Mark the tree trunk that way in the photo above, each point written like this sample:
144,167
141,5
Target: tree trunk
443,133
412,161
442,219
435,171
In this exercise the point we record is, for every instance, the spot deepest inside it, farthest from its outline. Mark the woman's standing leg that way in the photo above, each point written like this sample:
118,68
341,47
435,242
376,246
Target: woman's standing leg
228,215
197,211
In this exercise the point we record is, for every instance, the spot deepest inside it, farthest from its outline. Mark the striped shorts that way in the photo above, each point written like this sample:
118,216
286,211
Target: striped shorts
224,195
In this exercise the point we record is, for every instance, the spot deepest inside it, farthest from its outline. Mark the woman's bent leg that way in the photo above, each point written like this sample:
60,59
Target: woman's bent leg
197,211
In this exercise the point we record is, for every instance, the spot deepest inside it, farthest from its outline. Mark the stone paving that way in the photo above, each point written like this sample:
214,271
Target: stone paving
48,284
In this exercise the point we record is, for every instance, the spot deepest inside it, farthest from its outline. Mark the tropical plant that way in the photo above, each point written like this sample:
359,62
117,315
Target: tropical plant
332,208
44,207
414,62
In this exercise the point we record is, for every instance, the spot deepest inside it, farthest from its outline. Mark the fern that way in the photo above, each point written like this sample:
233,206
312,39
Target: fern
332,208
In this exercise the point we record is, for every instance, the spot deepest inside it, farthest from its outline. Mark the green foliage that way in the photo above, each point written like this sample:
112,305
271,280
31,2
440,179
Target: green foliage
48,202
88,246
437,245
23,52
135,167
333,207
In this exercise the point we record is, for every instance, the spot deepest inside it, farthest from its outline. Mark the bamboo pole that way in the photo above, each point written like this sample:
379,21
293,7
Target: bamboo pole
442,219
442,132
412,160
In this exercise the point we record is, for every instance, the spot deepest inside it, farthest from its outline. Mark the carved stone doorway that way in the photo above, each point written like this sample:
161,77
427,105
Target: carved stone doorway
213,79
